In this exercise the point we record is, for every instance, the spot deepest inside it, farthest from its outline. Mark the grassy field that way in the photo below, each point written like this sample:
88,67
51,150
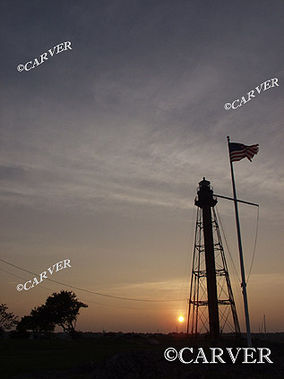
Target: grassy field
74,359
27,356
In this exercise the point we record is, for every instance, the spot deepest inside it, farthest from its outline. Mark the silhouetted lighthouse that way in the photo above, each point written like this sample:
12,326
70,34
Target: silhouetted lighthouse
210,283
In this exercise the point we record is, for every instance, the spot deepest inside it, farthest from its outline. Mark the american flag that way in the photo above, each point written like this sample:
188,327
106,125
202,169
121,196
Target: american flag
239,151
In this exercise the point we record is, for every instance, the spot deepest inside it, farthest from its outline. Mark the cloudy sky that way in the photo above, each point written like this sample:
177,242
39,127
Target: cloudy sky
103,146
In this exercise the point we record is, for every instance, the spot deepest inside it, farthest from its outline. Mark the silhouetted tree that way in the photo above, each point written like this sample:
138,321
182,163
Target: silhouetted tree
42,319
64,309
38,321
60,309
7,319
25,324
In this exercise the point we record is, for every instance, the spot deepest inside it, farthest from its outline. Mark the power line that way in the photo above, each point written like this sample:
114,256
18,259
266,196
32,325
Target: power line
89,291
20,277
50,289
88,300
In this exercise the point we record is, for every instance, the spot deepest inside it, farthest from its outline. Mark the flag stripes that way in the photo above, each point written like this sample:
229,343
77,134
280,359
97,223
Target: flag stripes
239,151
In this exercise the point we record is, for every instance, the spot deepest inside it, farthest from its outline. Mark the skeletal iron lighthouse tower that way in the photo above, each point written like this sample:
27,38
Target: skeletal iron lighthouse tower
211,303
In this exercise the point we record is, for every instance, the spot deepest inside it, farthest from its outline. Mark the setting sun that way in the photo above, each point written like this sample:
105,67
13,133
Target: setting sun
181,319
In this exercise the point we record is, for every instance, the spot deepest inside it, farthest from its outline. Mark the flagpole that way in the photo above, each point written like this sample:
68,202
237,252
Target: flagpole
243,284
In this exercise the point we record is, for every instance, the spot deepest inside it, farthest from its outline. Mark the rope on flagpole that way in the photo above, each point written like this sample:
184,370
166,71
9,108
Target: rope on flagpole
227,245
255,241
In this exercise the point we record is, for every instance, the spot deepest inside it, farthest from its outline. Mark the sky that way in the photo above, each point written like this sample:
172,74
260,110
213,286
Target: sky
103,147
